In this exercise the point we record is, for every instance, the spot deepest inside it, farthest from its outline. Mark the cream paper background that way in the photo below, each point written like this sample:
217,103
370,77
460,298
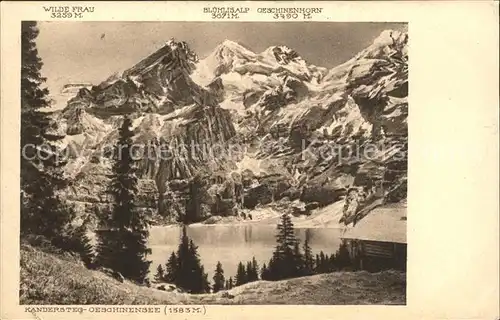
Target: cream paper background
453,208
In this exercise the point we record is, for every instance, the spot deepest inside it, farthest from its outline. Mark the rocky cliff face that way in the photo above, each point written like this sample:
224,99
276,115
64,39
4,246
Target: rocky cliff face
327,135
264,126
168,110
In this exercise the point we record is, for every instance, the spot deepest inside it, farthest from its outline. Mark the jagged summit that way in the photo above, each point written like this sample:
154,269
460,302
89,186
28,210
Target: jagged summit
235,94
234,46
282,54
173,52
386,43
390,47
171,42
232,60
228,53
223,59
391,37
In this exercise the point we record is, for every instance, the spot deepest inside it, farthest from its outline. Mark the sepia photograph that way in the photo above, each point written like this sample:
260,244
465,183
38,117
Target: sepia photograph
249,160
213,163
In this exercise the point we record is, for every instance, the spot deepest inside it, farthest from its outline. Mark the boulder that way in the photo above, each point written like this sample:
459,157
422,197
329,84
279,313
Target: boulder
169,288
298,208
323,195
114,274
311,206
222,207
291,193
257,195
213,220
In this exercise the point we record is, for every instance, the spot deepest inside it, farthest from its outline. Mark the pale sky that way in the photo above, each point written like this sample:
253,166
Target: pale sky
74,51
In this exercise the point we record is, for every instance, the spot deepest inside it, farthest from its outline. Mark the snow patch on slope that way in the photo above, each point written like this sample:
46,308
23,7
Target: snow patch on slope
249,163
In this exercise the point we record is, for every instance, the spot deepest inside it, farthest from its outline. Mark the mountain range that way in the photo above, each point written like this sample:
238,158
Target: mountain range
283,133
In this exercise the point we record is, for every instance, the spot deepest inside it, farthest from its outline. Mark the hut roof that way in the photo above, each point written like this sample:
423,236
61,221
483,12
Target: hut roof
385,223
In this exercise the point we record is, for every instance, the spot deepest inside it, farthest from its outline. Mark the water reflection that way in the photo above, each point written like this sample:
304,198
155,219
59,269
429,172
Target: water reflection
234,243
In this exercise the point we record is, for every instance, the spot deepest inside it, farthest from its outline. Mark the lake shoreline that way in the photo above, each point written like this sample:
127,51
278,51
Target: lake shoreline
242,224
324,217
234,243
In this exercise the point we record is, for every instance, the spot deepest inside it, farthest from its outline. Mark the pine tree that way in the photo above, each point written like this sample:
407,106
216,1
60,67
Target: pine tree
284,263
274,269
241,275
172,269
33,97
160,274
107,256
326,265
200,278
317,266
219,279
308,256
75,240
206,287
322,260
264,272
342,257
190,273
184,263
85,248
252,270
42,210
298,261
249,272
136,252
230,283
123,247
332,263
321,263
286,237
255,270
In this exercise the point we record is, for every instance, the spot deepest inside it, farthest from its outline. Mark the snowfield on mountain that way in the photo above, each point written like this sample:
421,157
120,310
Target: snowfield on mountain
280,110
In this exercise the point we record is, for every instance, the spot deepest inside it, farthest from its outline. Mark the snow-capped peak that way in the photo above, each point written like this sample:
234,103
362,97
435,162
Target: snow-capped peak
387,42
171,43
389,37
229,50
235,47
282,54
224,58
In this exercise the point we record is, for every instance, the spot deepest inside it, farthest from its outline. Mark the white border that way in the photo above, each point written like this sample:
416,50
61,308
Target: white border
453,167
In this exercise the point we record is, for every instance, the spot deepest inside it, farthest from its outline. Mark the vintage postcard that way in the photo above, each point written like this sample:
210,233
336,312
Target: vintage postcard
244,159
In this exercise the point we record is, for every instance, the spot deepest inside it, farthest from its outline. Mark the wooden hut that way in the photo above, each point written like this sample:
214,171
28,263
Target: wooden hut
378,241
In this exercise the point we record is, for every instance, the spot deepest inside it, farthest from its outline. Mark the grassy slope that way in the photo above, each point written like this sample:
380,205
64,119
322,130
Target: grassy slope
339,288
50,279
